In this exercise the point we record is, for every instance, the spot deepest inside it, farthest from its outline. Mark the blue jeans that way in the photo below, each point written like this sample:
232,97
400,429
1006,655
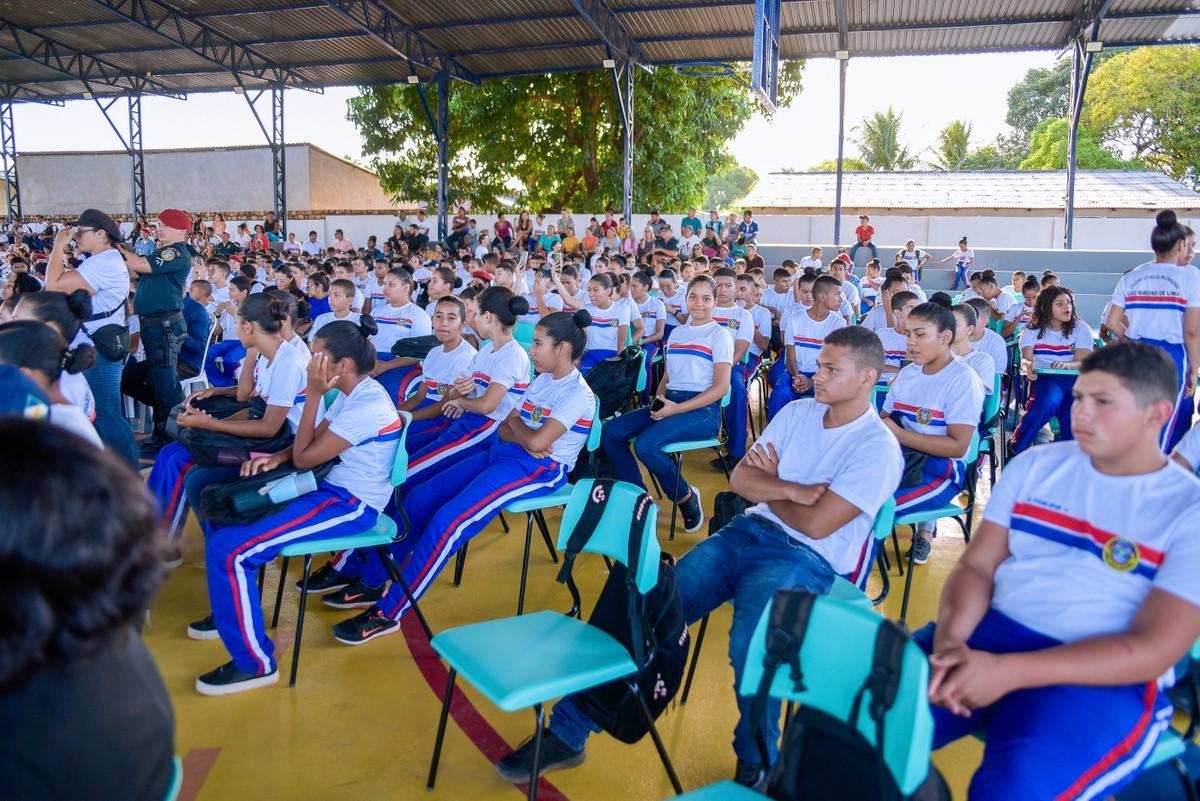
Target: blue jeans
854,249
648,436
745,562
104,378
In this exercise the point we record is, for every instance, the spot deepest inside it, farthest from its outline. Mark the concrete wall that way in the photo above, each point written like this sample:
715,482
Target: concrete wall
335,184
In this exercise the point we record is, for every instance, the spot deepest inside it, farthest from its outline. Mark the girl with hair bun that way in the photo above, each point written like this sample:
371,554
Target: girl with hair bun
65,313
361,430
272,370
538,444
43,355
1159,303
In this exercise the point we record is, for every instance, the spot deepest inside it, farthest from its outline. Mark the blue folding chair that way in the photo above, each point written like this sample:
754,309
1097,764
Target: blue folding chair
524,661
380,537
836,656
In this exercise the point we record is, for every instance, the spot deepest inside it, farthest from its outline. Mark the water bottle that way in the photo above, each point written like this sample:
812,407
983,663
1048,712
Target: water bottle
292,486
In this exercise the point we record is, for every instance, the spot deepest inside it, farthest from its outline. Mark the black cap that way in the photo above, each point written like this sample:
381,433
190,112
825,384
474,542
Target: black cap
94,218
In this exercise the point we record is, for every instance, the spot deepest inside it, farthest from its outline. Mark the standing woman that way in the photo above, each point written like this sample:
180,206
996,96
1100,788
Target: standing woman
361,430
1054,339
609,321
963,258
106,278
699,358
1160,300
484,394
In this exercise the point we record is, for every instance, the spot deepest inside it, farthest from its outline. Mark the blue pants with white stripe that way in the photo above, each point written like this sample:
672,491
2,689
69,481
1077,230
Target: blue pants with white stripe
1172,432
448,506
941,482
1060,742
234,554
735,413
399,381
782,394
176,482
230,352
468,434
1049,396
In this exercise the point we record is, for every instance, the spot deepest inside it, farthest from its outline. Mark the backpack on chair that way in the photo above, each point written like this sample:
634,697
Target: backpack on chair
614,379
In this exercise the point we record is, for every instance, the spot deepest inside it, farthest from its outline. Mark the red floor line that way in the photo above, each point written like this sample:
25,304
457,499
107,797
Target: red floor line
466,716
196,766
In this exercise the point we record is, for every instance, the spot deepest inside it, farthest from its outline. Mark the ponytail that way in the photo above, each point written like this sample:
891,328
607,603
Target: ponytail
504,305
62,310
1168,232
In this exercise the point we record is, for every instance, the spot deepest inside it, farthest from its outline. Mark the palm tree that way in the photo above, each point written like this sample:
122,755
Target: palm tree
879,145
954,143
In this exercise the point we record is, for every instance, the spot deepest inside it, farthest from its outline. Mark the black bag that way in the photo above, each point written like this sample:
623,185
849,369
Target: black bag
651,627
214,449
613,380
726,506
237,502
823,756
914,467
112,340
414,347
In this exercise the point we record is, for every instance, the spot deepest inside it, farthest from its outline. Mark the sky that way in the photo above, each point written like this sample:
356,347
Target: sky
929,91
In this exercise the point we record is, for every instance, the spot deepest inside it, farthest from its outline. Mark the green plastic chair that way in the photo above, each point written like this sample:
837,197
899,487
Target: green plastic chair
963,515
524,661
836,656
380,536
523,333
676,450
991,407
533,509
176,780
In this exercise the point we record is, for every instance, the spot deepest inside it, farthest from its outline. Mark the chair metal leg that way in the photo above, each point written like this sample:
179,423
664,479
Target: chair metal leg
460,562
899,558
441,732
262,579
394,572
279,592
678,480
1189,789
658,743
687,685
540,716
657,489
504,523
724,467
300,620
908,580
540,519
525,562
881,558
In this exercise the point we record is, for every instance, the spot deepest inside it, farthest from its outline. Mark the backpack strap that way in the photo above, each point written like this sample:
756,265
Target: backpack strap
883,682
788,622
638,630
589,518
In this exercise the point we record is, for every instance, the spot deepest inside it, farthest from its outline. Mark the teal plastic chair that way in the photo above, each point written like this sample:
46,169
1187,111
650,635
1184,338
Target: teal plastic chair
963,515
842,590
1172,745
987,443
524,661
676,450
533,509
836,656
523,333
380,536
176,781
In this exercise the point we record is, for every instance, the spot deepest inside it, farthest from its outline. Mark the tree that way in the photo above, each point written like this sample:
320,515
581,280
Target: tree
954,145
728,185
1146,100
1043,94
556,141
879,145
830,165
1048,149
1005,153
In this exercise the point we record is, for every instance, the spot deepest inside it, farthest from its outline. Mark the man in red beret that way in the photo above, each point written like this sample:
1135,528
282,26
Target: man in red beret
158,303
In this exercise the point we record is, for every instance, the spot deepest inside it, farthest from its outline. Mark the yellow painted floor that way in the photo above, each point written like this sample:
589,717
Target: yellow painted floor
360,722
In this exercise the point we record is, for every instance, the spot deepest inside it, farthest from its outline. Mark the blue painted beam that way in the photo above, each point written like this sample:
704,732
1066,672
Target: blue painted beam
610,29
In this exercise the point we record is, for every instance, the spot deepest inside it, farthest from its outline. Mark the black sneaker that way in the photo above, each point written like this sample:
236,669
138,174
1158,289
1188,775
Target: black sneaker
555,755
205,629
693,512
326,579
229,679
356,596
750,775
365,626
920,550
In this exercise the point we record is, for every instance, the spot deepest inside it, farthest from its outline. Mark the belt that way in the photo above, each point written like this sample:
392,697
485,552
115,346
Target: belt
167,316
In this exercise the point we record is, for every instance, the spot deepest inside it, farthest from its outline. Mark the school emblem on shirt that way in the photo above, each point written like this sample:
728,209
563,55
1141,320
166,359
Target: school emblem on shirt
536,415
1121,554
924,416
443,389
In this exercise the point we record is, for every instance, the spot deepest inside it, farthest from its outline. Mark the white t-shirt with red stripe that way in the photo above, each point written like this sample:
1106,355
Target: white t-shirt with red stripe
508,367
737,321
367,419
860,461
1050,346
1086,548
806,336
1155,297
606,324
284,381
440,368
553,303
762,318
928,404
570,401
895,346
397,323
651,312
692,352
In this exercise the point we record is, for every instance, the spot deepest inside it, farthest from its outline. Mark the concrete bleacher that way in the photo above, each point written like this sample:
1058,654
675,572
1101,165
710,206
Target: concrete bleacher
1091,274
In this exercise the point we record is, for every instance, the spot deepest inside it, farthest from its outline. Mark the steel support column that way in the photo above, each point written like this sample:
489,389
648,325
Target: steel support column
837,196
443,157
624,95
8,143
278,146
137,161
1081,67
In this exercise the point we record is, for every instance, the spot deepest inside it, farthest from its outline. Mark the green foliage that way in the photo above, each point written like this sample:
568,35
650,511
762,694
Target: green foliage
1005,153
1048,149
726,186
830,165
878,142
1147,101
556,141
1043,94
954,145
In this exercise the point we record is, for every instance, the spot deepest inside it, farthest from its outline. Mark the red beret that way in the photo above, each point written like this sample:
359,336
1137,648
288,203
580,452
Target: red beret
174,218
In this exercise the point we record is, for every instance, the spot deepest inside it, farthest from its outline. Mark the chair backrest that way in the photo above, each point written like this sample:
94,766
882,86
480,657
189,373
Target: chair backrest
885,520
176,780
400,465
611,537
835,657
972,454
523,333
991,403
641,376
593,440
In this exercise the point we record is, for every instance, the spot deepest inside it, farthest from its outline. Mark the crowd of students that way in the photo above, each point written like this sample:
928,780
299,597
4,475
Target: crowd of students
874,390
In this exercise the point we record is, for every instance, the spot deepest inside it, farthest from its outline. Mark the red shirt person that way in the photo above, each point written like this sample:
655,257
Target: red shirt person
864,233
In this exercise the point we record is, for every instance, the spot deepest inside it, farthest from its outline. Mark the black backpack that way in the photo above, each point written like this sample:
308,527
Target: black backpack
214,448
237,501
726,506
822,756
650,626
613,380
414,347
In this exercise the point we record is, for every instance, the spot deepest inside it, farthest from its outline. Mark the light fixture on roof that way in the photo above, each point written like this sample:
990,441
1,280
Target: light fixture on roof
239,89
87,94
609,64
413,79
1094,47
841,55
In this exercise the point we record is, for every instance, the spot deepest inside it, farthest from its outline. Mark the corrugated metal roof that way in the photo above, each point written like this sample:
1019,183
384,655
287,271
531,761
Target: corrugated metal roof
493,38
986,189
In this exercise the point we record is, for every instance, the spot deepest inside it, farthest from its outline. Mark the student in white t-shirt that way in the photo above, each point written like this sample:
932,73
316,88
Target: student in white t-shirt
753,292
986,340
373,292
653,313
440,368
43,355
539,440
878,317
963,258
804,333
609,327
1055,339
1017,316
542,299
341,295
398,318
895,339
362,430
674,298
740,324
65,314
816,478
1059,626
933,408
965,320
812,261
778,296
